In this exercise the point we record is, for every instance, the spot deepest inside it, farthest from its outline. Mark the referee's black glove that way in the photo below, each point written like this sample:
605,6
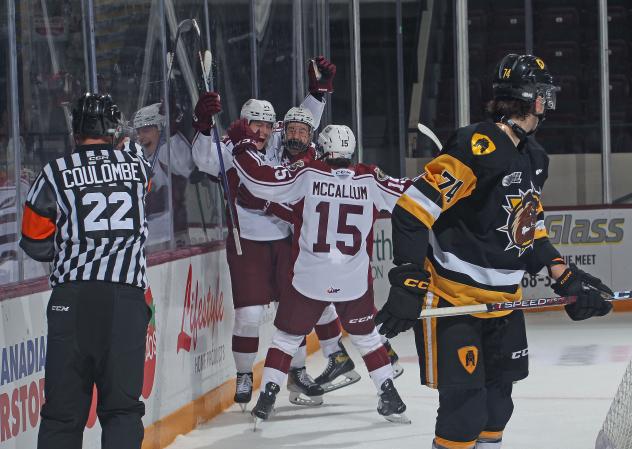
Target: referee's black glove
590,302
409,285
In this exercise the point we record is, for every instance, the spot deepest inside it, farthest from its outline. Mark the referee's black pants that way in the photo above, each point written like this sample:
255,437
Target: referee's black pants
96,335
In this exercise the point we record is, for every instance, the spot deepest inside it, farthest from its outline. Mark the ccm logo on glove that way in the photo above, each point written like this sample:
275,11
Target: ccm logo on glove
410,282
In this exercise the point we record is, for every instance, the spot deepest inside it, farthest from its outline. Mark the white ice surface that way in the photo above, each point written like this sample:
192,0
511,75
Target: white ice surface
575,371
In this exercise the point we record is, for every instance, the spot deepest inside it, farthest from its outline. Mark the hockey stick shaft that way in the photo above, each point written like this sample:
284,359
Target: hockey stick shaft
199,200
523,304
205,65
183,27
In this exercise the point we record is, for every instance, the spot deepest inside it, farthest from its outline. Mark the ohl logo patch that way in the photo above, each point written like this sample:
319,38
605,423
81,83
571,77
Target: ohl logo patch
522,213
468,356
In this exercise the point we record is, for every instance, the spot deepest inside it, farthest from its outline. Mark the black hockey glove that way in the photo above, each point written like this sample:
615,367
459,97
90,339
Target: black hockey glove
409,285
588,290
196,176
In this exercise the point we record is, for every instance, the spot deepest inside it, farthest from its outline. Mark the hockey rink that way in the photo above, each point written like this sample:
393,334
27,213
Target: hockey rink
575,371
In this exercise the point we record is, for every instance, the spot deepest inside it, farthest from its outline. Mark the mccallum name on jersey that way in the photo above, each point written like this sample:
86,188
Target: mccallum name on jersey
333,190
101,174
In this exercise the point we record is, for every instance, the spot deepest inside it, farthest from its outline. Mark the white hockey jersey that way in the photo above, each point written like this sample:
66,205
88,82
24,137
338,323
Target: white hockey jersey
333,214
253,224
180,157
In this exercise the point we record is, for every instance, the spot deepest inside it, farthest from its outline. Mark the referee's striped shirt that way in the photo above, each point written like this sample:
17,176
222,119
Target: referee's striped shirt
86,213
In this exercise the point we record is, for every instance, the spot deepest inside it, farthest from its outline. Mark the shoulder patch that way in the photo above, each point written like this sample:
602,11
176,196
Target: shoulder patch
482,145
296,165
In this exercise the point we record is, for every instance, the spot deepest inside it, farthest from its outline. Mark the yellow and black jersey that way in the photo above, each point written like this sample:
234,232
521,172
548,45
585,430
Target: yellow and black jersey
474,217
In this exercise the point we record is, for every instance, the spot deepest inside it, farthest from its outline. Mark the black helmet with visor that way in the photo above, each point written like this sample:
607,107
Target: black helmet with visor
524,77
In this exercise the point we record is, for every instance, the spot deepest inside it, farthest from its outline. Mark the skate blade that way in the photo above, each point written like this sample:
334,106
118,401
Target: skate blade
349,378
308,401
257,423
398,418
398,370
242,406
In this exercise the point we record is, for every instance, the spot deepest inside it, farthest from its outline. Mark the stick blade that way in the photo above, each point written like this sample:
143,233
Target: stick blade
423,129
196,27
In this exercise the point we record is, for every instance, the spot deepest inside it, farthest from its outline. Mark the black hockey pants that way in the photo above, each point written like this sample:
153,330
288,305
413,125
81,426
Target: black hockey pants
96,335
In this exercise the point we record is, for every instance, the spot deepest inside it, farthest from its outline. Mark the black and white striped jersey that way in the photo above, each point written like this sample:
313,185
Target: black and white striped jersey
86,213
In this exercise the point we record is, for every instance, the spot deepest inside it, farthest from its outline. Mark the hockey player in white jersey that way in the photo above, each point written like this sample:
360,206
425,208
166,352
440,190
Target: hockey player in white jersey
333,203
265,239
149,126
340,370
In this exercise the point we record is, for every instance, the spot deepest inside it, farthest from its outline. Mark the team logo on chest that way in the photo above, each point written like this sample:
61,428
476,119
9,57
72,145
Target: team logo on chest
522,213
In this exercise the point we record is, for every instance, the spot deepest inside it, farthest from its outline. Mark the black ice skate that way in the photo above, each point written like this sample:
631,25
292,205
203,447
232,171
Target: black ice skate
243,390
303,389
339,365
390,405
398,370
265,404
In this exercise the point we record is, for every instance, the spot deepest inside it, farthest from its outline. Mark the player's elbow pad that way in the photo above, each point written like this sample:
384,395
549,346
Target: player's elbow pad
410,238
40,250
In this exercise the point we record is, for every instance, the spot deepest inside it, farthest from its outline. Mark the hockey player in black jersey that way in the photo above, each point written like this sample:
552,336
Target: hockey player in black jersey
465,233
85,213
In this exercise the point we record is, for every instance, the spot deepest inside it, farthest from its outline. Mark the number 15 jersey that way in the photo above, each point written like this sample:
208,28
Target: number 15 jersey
86,213
333,214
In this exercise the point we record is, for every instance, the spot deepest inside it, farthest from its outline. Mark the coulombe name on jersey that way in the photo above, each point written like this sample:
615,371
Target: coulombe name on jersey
101,174
333,190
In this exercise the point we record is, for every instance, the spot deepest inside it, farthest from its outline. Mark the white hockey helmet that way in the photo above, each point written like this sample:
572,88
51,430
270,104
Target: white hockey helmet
254,109
337,141
300,115
149,116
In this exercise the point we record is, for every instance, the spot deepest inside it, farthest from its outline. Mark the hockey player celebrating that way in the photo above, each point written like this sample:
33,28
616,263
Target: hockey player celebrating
265,239
330,262
296,143
465,233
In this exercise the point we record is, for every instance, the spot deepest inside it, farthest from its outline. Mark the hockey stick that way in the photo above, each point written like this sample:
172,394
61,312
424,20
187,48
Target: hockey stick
423,129
206,63
523,304
183,27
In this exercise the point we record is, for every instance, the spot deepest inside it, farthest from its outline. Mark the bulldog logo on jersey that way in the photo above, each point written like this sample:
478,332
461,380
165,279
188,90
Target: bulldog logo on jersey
522,213
482,145
468,356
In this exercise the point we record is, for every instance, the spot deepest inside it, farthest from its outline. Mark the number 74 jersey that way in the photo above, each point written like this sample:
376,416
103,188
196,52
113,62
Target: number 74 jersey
86,213
333,214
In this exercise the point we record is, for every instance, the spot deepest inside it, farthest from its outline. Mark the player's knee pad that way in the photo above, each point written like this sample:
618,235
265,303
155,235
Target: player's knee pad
462,414
247,321
499,406
366,343
288,343
329,315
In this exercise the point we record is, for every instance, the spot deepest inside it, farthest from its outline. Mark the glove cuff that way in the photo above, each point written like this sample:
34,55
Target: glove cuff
245,145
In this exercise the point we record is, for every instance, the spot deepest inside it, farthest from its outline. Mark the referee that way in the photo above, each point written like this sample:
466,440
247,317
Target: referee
85,213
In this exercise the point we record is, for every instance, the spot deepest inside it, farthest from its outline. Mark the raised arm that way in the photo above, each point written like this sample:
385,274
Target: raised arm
206,157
